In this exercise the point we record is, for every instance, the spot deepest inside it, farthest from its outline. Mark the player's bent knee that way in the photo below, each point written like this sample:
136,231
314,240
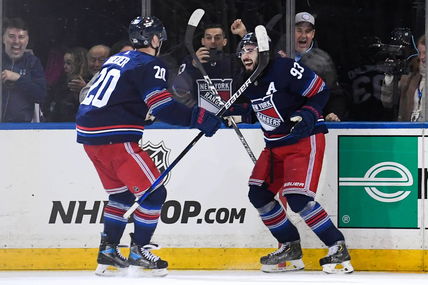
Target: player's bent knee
259,196
298,202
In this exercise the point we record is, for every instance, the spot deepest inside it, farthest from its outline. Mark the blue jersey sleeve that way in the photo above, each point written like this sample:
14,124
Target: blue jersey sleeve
151,81
303,81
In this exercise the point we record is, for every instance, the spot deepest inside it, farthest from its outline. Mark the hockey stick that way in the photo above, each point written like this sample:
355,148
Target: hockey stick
243,140
273,21
263,46
188,41
282,200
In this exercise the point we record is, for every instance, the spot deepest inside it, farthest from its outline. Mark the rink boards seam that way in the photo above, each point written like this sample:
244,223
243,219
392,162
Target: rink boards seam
209,259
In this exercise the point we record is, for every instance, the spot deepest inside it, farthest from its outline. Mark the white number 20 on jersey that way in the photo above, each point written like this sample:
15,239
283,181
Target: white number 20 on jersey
160,73
99,94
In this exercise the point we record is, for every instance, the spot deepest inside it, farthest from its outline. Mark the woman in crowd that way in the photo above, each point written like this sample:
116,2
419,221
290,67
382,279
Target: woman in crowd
63,97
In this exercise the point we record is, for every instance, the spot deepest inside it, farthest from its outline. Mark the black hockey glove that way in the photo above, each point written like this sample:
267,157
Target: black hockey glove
205,121
305,120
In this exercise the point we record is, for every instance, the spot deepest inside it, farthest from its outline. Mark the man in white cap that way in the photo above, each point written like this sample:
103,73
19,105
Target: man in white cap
304,34
319,61
307,52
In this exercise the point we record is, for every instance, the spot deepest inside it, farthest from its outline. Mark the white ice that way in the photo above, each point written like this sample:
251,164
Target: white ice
224,277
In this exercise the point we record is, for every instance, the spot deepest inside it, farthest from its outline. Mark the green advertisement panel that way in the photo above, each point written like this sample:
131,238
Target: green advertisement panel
378,181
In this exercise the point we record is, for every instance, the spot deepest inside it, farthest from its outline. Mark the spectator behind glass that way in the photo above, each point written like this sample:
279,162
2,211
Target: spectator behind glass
316,59
319,61
63,96
410,89
120,46
189,86
23,78
96,57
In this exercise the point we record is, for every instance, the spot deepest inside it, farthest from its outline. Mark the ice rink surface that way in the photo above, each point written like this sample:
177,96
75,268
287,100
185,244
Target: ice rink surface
201,277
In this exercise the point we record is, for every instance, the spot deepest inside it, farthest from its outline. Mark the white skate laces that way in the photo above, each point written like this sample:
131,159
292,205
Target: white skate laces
113,268
337,260
288,257
278,251
119,253
145,251
333,249
142,262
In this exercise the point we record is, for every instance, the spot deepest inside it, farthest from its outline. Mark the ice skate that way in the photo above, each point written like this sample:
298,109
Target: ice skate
142,261
289,253
110,261
337,260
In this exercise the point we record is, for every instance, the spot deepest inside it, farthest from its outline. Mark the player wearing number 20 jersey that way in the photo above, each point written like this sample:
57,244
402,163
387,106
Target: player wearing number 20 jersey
131,88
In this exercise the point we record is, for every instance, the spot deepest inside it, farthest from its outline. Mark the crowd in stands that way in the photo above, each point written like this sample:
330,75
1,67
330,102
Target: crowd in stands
52,93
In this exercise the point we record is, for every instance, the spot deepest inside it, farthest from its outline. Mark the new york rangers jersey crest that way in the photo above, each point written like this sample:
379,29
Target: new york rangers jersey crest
283,89
267,113
207,100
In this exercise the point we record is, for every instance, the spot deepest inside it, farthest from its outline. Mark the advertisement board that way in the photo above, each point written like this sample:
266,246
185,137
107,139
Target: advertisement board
370,185
378,181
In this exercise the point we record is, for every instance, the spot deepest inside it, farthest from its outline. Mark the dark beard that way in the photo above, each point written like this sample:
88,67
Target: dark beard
244,74
247,72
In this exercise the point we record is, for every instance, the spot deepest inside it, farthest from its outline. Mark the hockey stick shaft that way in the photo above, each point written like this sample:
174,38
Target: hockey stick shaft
243,141
273,21
189,45
263,62
161,177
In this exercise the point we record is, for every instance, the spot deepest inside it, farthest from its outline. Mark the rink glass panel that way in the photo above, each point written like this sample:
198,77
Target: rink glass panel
347,30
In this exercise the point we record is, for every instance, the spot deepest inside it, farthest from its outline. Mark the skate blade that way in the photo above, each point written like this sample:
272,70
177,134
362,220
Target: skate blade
137,271
342,268
109,271
291,265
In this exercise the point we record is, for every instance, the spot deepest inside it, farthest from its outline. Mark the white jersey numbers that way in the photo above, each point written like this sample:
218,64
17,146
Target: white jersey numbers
160,72
100,92
297,70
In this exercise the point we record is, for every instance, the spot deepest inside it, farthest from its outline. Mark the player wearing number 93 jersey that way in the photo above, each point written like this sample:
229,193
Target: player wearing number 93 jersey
288,99
130,89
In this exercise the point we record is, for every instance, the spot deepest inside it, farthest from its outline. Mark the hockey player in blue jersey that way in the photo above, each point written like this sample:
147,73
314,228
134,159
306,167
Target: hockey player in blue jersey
288,99
130,89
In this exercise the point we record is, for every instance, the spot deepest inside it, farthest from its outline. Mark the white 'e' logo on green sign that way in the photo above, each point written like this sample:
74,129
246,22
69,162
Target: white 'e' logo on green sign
372,179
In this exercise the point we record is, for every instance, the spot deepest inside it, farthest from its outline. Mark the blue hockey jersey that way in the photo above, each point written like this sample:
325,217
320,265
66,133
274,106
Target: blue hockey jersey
130,86
283,88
